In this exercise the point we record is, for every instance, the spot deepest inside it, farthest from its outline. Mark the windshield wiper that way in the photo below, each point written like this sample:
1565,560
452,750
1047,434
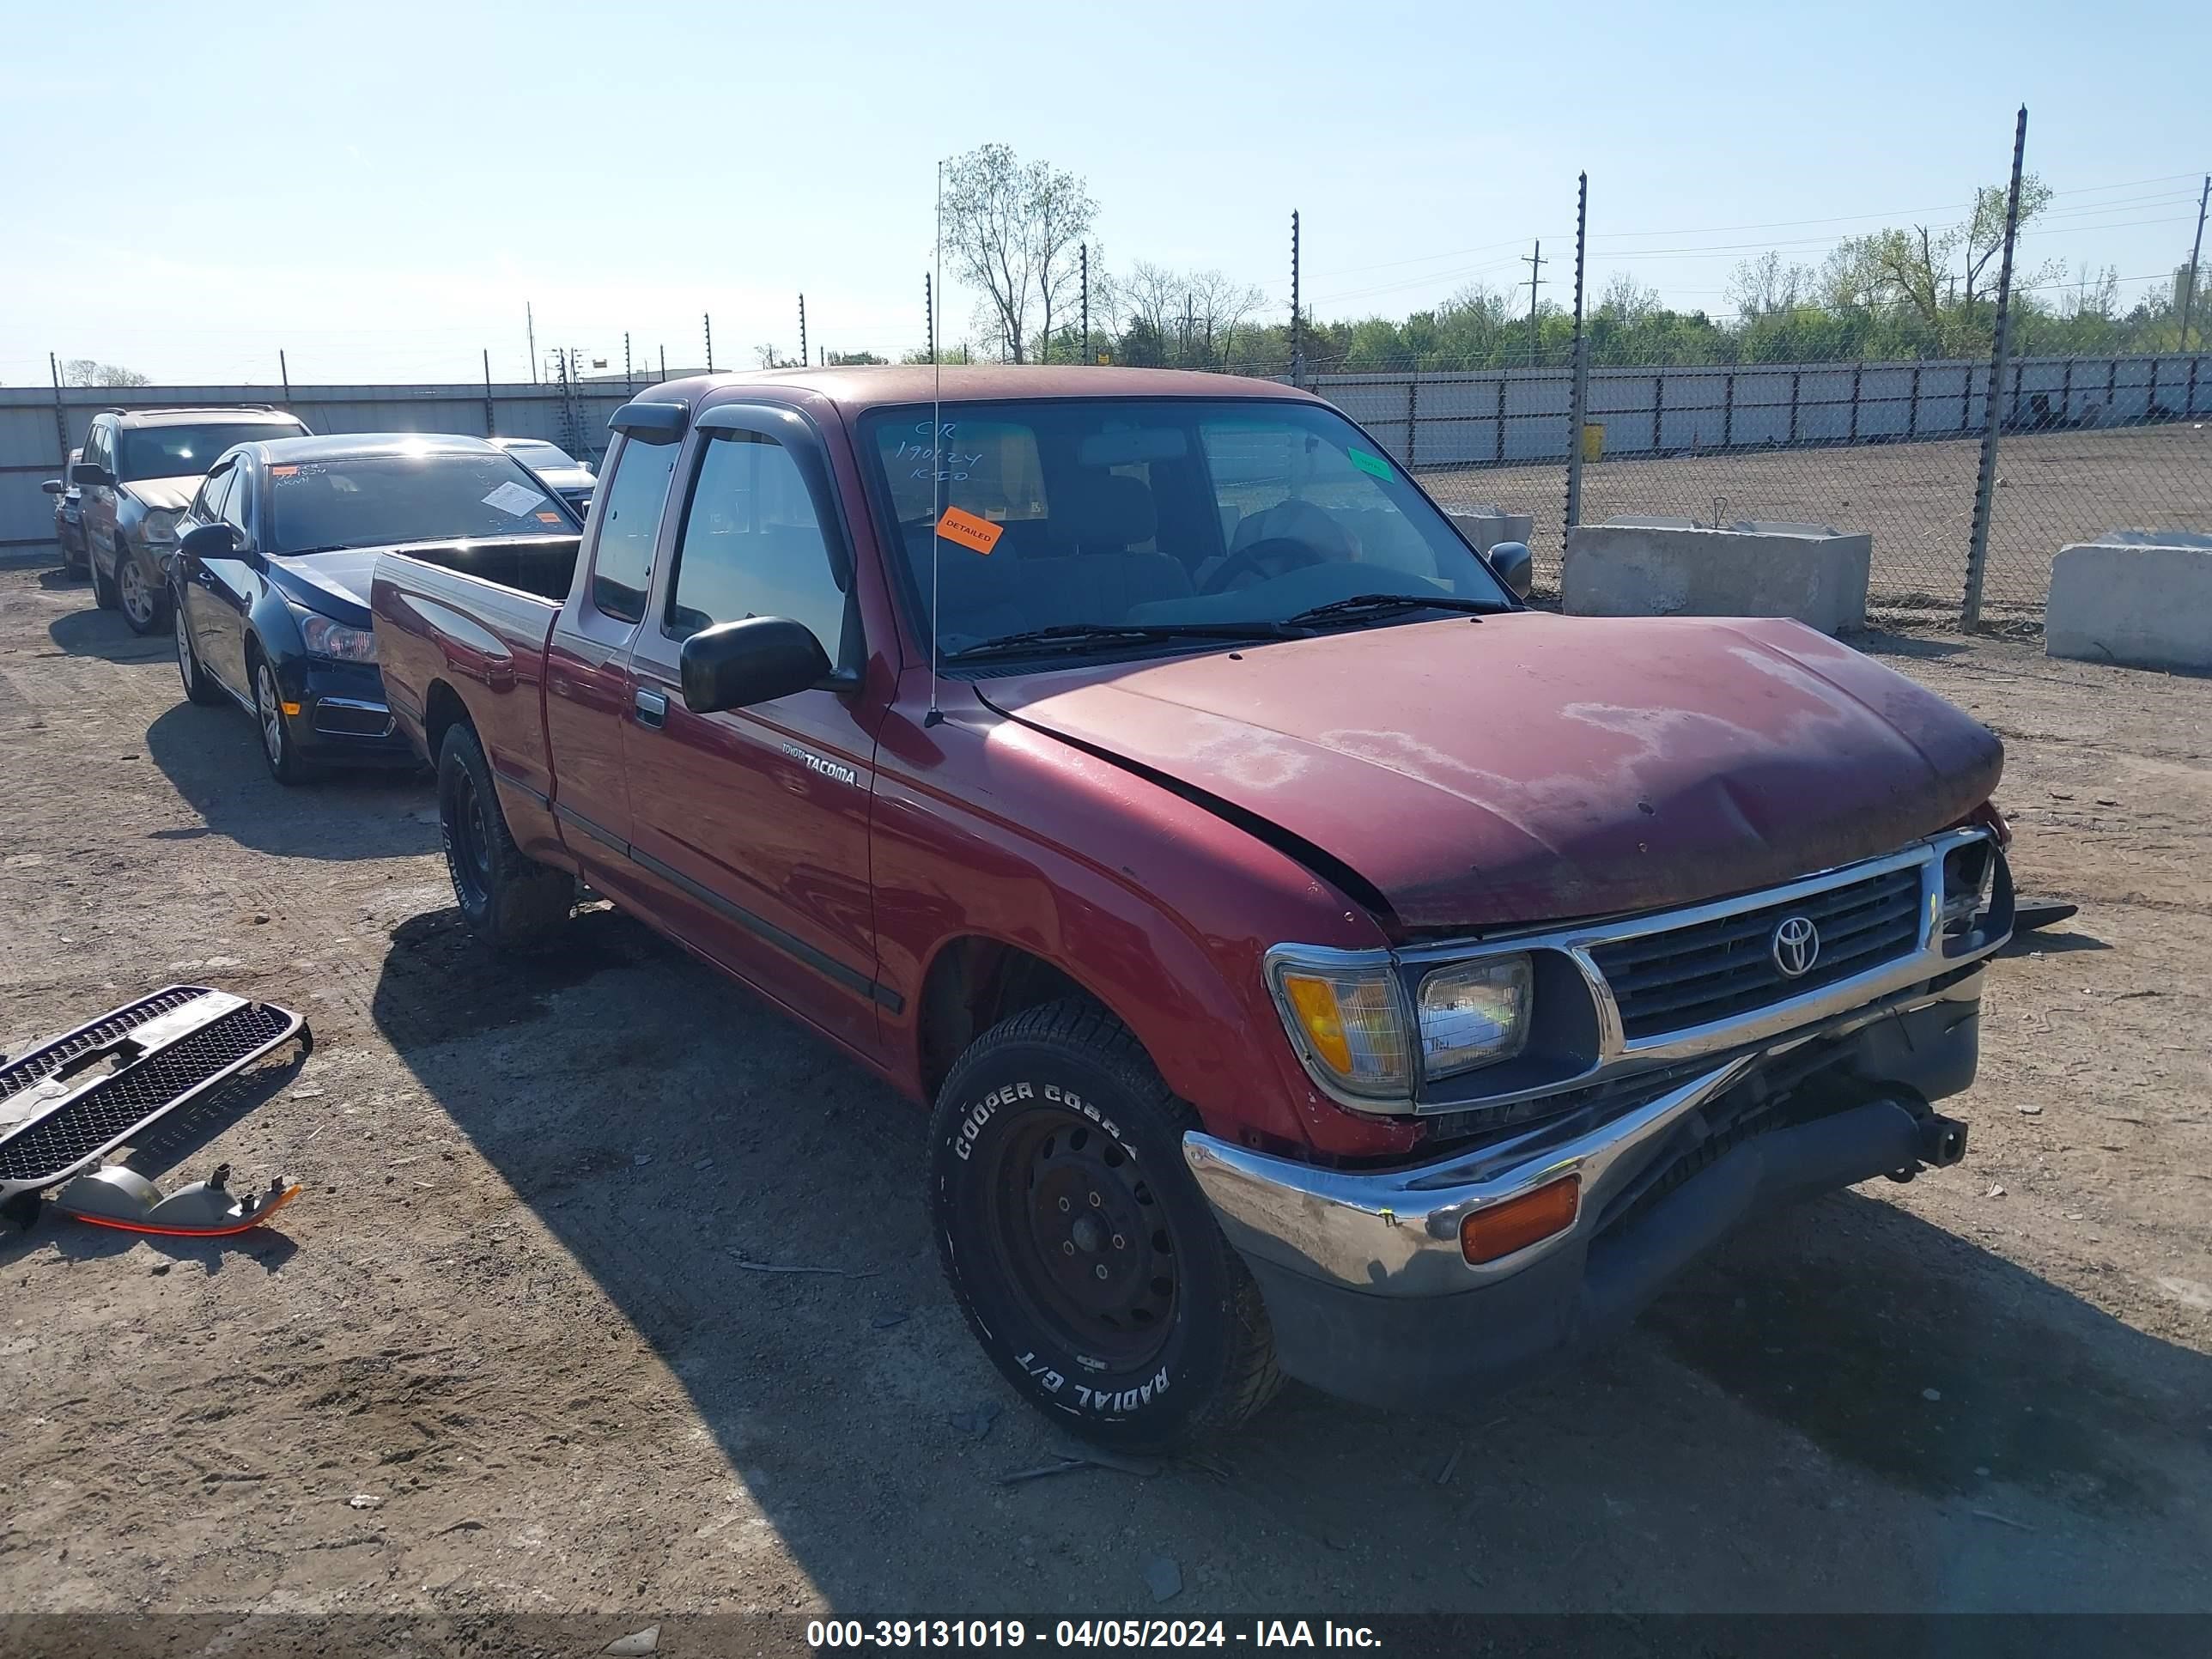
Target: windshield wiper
1381,604
1068,636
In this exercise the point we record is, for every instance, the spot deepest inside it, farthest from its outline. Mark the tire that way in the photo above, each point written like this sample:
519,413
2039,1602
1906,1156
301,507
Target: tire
143,601
199,685
1055,1121
511,901
103,589
278,752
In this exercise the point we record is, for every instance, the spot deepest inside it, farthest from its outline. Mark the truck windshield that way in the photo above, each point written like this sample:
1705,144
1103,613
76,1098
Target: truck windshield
1106,517
373,500
186,452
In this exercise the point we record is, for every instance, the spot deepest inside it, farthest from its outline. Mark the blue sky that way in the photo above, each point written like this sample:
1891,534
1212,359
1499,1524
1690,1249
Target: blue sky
378,189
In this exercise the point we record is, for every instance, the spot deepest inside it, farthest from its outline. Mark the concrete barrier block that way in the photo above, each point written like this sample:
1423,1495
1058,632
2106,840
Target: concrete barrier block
1486,525
2141,598
1674,568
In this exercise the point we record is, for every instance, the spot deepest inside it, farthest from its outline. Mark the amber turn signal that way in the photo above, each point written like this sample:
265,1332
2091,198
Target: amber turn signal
1490,1234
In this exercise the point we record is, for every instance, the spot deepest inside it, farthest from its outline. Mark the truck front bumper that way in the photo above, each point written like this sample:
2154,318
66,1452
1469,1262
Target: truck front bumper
1372,1298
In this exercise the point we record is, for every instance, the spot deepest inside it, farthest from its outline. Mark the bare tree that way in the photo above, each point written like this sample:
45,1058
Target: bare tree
83,371
1766,287
1012,232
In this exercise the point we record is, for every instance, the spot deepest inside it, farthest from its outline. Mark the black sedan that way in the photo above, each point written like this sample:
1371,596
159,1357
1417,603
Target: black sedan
269,586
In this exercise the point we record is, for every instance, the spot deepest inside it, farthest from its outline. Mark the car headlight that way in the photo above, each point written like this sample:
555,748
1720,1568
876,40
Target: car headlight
1348,1016
1475,1014
158,529
336,640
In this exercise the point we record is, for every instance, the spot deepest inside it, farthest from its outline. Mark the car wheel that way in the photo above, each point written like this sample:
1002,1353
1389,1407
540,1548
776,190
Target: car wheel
1087,1262
199,684
278,749
143,599
509,898
103,587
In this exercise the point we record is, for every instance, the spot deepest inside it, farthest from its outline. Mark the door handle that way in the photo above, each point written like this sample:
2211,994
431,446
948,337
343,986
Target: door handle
652,707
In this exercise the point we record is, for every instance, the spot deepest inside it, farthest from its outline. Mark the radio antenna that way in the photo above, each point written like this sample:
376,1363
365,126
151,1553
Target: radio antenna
936,446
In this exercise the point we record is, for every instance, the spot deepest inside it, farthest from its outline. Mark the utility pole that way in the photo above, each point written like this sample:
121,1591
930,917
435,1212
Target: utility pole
491,423
284,373
664,362
1535,262
61,415
530,321
627,384
707,319
2189,299
1297,331
803,361
1083,250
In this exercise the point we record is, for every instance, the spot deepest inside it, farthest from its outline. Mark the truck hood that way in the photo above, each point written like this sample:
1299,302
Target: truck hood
165,494
1531,768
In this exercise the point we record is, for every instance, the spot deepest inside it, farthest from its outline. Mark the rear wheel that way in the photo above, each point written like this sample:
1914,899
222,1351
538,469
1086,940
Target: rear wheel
143,599
514,903
199,684
1088,1263
103,587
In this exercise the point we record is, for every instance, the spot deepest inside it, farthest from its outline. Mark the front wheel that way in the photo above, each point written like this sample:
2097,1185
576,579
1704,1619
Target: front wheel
277,747
144,600
1087,1262
509,898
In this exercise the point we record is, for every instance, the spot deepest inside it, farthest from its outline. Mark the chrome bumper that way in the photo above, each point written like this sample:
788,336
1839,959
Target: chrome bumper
1397,1233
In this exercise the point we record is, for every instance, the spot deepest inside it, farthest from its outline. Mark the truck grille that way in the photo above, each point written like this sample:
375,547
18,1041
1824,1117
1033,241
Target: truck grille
1709,970
147,1081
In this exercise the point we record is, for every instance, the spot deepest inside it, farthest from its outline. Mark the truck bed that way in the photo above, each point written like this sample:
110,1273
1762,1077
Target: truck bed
469,620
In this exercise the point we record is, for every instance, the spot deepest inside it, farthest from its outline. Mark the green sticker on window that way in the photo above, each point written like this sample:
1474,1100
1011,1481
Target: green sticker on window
1369,464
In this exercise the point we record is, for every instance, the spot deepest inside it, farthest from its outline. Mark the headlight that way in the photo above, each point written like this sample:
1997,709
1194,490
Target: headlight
158,529
1348,1020
1473,1015
326,638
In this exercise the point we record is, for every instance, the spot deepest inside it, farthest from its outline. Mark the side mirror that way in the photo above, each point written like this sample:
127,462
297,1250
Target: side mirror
1510,564
51,486
211,541
736,664
90,475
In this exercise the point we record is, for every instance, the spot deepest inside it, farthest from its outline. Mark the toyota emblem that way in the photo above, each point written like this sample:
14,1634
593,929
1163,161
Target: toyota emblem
1795,947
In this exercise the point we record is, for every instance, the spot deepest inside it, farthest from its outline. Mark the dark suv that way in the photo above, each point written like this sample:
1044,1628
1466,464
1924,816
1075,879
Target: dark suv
139,470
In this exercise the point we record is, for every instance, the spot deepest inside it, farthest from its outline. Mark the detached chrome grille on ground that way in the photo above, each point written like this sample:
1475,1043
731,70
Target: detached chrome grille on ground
1728,965
66,1102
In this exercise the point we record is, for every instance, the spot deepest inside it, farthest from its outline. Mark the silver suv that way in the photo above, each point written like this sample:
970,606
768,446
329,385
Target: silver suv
139,470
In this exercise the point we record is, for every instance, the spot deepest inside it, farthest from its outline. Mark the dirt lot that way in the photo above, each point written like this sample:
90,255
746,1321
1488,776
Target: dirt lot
499,1360
1917,499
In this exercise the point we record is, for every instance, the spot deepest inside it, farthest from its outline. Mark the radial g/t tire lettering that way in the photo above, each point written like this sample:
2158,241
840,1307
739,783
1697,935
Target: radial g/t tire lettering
1087,1262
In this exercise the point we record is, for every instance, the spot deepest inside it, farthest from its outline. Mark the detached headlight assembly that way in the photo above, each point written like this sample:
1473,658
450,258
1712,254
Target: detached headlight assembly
334,640
1348,1016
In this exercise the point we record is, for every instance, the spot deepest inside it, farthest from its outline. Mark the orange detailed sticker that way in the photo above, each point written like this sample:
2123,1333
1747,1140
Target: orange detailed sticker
979,535
282,471
548,518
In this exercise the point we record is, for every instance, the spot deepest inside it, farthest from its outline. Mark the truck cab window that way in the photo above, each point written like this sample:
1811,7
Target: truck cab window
752,545
629,525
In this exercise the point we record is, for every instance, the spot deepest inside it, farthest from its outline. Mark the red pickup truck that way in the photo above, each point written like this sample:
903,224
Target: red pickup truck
1316,961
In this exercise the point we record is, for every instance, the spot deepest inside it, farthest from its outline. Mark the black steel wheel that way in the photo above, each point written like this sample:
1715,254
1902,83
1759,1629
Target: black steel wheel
512,901
1087,1260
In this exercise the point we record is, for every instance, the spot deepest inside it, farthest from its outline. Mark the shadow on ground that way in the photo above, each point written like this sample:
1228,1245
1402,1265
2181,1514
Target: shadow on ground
93,632
660,1121
213,757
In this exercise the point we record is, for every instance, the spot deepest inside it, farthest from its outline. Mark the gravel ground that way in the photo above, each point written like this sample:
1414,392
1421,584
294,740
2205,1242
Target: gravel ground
501,1360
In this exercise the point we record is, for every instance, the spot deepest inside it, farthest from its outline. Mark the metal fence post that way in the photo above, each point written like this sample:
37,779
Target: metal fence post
1500,454
61,414
1912,410
1978,548
491,421
1578,388
1413,412
1857,370
1728,412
